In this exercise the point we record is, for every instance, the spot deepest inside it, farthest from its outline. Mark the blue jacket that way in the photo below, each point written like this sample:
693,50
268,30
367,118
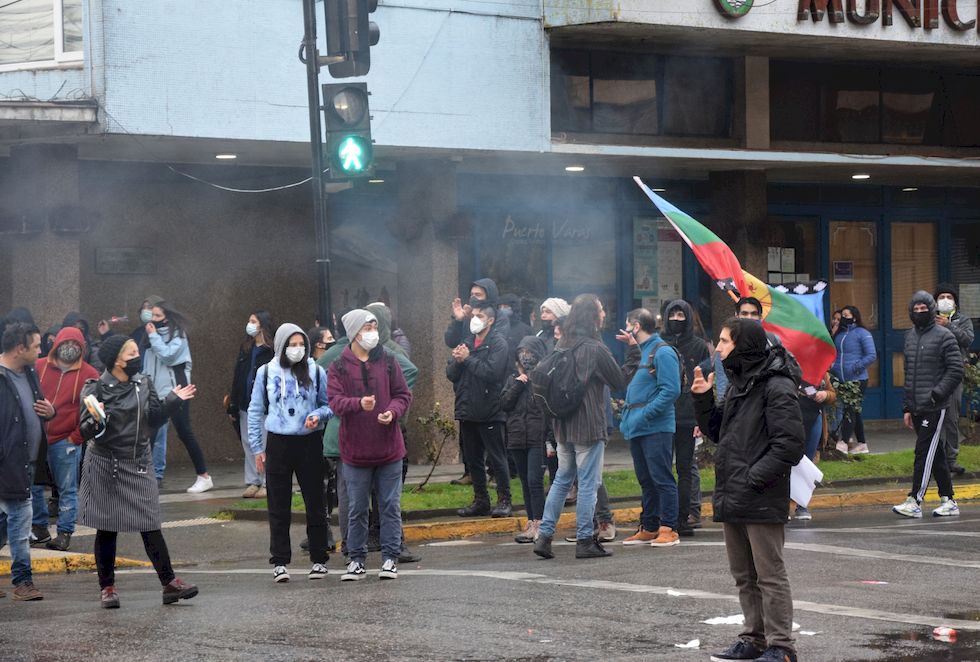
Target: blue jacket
855,352
283,396
650,398
167,354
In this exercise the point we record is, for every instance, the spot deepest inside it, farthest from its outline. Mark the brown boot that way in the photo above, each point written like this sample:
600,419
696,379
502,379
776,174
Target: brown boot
27,592
178,589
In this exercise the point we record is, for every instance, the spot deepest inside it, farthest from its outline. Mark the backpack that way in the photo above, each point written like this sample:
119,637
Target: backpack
652,368
555,385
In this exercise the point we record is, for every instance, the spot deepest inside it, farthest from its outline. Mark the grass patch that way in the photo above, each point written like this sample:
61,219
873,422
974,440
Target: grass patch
624,484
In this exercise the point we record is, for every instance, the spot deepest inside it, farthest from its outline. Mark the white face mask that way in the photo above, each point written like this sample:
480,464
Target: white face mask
946,305
146,316
476,326
295,354
369,340
252,329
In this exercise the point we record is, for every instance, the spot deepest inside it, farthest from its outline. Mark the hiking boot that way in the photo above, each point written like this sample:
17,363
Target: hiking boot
280,575
503,508
408,556
110,598
178,589
776,654
740,650
542,547
607,532
201,484
908,508
60,542
528,534
802,514
590,548
250,492
462,480
479,508
39,534
641,537
27,592
666,537
318,571
389,570
947,508
355,572
956,469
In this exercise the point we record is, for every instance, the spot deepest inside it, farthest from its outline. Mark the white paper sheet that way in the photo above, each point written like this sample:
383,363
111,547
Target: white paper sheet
802,480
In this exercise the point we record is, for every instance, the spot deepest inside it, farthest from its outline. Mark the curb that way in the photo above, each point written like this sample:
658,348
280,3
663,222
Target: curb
71,562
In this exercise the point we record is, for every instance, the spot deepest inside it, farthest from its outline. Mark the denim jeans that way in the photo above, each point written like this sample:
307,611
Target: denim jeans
159,443
813,435
15,528
653,456
359,481
585,462
63,460
252,476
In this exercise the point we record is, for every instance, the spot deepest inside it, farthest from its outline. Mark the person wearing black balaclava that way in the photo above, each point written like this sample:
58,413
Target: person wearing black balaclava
933,370
679,332
759,432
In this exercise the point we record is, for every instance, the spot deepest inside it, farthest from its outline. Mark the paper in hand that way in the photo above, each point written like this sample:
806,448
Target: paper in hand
802,481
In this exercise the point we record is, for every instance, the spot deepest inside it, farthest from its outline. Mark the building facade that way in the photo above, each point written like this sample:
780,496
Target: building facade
506,135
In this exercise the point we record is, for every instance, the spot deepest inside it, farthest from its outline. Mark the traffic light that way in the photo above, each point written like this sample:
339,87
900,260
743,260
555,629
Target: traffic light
350,34
348,125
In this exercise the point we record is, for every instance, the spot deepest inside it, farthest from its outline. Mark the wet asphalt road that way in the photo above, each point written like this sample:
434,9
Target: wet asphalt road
489,599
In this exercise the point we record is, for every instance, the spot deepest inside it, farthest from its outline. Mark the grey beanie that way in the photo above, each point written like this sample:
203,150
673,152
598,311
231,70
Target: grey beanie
354,320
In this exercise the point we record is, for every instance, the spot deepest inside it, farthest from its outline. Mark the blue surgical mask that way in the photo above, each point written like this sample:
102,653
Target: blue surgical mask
146,316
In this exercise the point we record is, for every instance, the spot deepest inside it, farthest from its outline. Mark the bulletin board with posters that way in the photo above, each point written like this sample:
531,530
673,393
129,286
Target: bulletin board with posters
657,262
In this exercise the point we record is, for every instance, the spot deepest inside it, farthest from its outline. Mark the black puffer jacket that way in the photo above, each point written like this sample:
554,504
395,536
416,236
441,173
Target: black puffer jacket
527,425
760,438
241,395
133,412
693,351
478,380
933,362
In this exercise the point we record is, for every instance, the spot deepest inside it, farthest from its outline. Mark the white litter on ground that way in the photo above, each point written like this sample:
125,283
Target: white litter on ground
694,643
737,619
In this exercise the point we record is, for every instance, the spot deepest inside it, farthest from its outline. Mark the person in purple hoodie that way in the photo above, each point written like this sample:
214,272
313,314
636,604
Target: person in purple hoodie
367,390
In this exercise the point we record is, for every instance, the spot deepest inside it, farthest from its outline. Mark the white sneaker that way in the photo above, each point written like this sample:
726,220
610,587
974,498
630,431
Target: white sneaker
908,508
858,449
389,570
841,447
355,571
319,571
202,484
947,508
280,575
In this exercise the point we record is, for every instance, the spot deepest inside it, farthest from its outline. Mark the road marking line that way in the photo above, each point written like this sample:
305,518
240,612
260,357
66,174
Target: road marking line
886,556
604,585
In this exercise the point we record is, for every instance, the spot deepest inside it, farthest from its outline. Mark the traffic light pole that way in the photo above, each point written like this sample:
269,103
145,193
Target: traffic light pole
321,233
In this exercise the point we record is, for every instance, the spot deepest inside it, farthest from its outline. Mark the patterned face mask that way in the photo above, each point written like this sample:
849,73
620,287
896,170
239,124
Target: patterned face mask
69,352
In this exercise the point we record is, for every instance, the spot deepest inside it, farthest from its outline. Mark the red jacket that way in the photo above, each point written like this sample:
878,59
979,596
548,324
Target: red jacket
63,388
364,442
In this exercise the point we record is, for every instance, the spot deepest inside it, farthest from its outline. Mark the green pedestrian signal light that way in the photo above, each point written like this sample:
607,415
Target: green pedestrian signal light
353,154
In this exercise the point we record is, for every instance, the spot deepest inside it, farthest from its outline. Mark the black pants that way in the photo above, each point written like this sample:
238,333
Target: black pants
302,455
530,469
930,456
182,422
482,441
156,550
684,457
852,421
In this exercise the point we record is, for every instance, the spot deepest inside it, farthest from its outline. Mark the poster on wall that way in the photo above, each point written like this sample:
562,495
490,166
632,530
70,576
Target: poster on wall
844,271
644,257
775,259
670,264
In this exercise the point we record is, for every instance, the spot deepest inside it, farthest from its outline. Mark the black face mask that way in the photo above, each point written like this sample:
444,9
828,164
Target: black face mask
527,362
846,321
676,327
474,302
922,319
731,362
133,366
548,327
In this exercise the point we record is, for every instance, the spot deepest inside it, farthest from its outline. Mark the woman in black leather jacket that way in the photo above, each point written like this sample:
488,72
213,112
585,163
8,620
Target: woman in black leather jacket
118,490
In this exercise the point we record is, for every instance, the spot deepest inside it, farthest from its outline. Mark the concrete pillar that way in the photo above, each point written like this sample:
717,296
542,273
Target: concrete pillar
739,216
755,102
428,273
44,266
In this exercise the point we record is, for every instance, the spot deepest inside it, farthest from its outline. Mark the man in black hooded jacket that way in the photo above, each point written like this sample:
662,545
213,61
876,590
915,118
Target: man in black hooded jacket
760,438
933,369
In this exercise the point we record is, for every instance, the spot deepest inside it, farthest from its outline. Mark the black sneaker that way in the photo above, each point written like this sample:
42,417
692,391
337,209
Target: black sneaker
740,650
60,543
408,556
355,571
39,534
542,547
590,548
776,654
479,508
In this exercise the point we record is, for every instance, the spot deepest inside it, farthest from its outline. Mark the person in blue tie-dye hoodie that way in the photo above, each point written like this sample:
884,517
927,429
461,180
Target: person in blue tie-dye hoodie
290,397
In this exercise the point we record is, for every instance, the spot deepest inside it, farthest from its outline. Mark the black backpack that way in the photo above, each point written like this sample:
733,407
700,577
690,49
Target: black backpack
652,368
555,385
